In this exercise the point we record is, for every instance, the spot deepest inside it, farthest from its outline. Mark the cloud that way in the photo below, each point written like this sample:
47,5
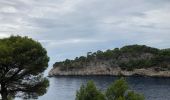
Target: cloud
70,28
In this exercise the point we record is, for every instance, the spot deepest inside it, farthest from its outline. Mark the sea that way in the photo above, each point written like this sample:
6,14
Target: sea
65,87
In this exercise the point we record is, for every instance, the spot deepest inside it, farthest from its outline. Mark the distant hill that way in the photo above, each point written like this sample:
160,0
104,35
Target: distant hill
128,60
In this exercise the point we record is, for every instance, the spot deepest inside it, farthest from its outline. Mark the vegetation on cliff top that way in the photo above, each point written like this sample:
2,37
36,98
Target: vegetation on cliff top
127,58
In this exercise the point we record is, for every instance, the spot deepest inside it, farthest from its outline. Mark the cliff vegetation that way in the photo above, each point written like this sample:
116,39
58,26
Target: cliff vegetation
129,60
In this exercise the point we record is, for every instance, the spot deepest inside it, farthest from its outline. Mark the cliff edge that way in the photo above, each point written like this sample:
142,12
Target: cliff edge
128,60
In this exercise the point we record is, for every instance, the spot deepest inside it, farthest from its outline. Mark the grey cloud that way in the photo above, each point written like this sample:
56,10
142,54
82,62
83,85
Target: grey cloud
69,28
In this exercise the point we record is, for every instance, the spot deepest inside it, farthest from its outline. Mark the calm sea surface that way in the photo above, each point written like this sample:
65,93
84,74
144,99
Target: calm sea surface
64,87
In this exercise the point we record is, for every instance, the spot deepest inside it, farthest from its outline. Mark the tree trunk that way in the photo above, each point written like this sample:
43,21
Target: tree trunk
4,93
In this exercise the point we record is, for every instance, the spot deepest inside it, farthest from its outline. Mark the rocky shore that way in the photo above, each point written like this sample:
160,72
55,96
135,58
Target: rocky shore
110,71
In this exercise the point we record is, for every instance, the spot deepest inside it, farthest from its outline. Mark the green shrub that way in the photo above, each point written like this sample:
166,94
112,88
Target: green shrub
89,92
116,91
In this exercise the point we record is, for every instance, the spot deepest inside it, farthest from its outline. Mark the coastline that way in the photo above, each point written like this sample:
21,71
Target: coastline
101,71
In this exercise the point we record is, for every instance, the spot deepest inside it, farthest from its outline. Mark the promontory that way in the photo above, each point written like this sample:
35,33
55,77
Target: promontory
128,60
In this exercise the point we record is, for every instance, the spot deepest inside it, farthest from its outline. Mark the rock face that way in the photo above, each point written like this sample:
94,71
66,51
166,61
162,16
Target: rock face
128,60
110,71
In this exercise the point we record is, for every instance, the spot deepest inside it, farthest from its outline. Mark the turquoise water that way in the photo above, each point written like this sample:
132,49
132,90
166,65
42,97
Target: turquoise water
64,87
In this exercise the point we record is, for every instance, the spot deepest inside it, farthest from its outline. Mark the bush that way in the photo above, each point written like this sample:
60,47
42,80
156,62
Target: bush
134,96
89,92
116,91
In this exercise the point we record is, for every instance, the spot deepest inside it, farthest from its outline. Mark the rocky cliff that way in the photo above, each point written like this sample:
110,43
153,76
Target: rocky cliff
128,60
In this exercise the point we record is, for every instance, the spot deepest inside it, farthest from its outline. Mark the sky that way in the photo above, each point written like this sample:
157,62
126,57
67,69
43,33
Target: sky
71,28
